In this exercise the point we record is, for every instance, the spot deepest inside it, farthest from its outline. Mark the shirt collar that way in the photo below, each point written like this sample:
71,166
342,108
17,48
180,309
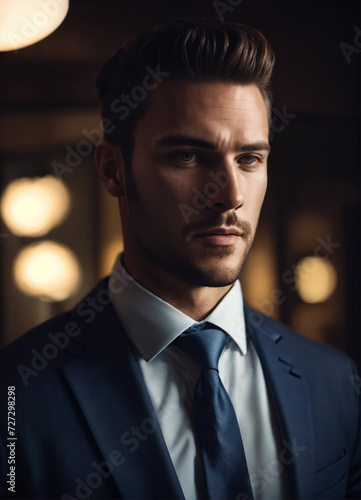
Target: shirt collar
152,324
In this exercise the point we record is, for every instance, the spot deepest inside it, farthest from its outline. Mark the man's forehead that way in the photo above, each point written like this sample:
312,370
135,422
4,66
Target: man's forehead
191,101
179,109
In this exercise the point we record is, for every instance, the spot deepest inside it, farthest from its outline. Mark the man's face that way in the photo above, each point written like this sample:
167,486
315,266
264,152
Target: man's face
197,182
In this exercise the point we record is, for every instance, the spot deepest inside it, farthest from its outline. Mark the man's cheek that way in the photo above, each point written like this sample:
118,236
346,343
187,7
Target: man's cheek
256,194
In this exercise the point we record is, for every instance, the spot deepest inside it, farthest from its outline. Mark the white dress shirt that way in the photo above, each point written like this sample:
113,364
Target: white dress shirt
171,374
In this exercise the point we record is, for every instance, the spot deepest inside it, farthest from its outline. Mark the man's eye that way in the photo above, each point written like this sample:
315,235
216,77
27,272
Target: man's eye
186,156
249,160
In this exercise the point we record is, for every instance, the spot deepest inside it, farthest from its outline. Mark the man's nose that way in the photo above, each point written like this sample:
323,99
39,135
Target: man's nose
229,194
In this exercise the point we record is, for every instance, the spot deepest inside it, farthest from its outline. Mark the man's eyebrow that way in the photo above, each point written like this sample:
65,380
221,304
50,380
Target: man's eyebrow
188,140
183,140
257,146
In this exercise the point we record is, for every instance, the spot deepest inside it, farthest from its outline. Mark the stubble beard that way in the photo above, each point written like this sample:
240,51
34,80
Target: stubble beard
177,265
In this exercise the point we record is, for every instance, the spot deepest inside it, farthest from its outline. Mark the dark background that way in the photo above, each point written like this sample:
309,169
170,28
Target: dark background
48,97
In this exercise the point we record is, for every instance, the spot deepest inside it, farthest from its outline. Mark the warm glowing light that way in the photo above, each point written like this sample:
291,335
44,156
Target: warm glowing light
32,207
316,279
47,270
24,22
109,254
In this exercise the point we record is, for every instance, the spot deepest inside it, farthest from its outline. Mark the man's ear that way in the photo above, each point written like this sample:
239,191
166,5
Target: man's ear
110,163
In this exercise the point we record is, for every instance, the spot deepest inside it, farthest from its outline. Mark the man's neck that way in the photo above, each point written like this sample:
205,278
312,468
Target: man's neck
197,302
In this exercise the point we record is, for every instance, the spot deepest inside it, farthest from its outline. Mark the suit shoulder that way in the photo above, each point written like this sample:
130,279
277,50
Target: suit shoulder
48,336
308,350
63,325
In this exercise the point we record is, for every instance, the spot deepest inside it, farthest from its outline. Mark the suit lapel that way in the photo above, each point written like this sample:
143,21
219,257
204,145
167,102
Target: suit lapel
108,385
290,395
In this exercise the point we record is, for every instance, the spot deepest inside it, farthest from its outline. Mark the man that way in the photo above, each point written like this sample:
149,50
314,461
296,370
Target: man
111,401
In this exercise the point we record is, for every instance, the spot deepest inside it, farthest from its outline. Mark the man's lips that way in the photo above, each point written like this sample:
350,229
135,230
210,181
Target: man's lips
219,236
220,231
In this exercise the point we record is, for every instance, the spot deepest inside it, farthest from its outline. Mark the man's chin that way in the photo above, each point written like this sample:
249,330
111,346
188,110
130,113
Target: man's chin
218,278
209,273
221,267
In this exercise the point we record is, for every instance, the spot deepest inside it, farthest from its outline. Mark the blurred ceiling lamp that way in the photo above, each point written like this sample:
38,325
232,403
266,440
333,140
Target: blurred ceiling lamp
316,279
34,206
47,270
24,22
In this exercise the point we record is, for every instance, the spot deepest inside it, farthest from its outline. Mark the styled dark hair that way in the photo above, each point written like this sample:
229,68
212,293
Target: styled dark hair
193,49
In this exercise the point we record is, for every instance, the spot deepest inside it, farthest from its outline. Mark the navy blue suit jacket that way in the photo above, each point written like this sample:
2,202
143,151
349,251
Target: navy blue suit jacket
86,428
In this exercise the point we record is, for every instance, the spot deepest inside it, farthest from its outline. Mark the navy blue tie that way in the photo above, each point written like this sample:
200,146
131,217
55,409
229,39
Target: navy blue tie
224,462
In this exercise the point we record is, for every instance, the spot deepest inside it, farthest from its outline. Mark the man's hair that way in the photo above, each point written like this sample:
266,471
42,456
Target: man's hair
196,50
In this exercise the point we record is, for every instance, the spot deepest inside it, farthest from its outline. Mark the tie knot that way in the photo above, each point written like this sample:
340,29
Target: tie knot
204,342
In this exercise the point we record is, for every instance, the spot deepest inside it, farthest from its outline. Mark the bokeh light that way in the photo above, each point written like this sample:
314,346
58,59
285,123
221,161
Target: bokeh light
316,279
24,22
47,270
34,206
